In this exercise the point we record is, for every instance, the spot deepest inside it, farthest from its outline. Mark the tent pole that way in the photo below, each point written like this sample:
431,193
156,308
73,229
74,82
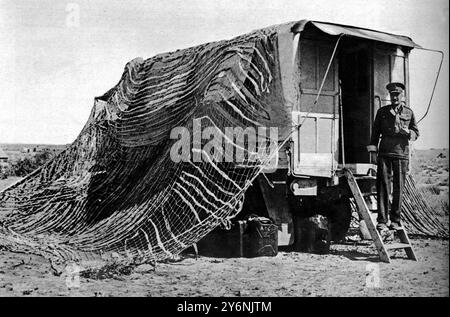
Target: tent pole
341,123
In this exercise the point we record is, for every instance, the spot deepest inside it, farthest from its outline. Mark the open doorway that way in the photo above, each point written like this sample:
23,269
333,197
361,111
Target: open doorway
355,69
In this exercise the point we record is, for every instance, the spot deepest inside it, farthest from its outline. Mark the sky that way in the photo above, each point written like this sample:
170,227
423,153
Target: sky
56,56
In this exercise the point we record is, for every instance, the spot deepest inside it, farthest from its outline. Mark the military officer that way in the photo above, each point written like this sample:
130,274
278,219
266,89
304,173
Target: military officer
394,127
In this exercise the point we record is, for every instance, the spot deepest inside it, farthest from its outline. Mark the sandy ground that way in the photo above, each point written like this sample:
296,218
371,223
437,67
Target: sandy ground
8,181
349,270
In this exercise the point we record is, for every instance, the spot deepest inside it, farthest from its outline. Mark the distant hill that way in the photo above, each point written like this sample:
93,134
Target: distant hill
432,151
20,146
20,151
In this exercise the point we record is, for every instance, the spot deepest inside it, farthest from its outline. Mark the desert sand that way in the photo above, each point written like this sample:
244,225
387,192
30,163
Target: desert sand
349,270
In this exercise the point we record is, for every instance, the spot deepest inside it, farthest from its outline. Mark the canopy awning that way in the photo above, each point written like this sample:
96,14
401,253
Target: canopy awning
338,29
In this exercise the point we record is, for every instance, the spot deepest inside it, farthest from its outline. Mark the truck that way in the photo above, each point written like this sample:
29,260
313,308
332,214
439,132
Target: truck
334,80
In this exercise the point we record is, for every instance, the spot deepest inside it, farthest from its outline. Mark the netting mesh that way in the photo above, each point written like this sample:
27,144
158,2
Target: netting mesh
124,184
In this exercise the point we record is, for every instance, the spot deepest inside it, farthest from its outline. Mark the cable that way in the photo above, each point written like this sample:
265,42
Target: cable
436,80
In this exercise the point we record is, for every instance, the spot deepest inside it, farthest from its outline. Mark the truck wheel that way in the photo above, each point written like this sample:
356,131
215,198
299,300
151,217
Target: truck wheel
340,215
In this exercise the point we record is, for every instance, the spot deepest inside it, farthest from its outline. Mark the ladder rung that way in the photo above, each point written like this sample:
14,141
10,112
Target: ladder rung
361,202
392,246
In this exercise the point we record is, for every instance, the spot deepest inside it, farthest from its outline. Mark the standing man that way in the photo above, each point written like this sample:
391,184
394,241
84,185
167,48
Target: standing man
396,126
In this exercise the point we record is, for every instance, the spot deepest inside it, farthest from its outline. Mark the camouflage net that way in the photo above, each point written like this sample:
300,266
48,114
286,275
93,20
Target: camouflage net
117,187
419,217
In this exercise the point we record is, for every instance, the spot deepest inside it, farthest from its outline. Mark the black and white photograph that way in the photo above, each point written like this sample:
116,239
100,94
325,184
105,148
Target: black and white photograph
224,154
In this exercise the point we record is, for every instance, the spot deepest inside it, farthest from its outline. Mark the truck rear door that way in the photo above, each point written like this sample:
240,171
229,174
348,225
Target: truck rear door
315,147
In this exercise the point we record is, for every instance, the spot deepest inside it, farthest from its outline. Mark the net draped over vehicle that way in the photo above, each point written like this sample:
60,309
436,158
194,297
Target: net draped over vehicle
118,188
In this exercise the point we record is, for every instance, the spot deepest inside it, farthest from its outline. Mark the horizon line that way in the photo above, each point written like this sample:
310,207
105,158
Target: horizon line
60,144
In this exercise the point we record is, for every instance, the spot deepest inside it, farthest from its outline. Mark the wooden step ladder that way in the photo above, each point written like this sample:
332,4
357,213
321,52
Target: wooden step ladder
364,211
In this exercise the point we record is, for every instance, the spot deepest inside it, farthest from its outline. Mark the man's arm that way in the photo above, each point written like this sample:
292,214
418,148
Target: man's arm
413,129
376,132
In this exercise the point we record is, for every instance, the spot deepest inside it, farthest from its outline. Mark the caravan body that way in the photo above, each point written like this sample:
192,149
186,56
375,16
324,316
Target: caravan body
333,78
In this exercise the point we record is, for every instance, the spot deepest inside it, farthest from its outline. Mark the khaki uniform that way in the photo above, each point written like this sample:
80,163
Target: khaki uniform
393,155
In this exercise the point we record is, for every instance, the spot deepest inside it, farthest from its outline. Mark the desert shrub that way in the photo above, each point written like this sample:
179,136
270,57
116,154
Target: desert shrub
26,165
111,270
432,189
435,198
